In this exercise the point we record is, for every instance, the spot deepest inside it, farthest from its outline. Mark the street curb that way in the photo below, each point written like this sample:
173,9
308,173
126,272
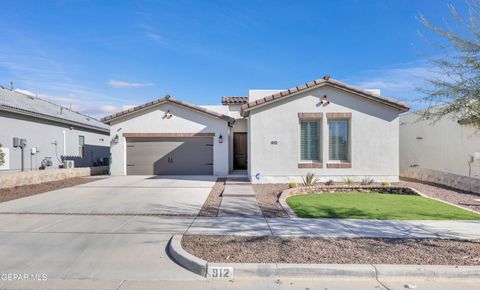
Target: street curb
262,270
185,259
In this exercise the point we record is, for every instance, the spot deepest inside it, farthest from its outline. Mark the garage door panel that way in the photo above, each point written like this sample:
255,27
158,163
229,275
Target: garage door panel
170,156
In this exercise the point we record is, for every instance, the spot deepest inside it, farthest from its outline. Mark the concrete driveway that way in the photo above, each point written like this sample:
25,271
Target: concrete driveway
121,195
38,237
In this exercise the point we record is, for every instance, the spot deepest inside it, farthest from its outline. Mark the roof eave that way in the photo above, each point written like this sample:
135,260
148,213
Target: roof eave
54,119
246,108
145,106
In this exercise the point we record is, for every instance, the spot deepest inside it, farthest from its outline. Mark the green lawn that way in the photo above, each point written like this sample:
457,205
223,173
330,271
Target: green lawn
374,205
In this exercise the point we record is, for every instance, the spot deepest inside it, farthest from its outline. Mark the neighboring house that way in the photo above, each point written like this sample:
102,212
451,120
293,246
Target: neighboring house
326,127
444,146
51,133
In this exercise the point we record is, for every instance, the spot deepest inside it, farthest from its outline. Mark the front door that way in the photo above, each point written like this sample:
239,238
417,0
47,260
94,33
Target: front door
239,150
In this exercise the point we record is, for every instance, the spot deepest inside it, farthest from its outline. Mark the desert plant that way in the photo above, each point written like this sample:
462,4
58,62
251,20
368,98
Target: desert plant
292,184
348,181
310,179
367,180
386,183
2,156
329,182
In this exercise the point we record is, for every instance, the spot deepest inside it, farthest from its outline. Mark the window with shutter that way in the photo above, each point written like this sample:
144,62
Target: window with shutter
338,140
310,140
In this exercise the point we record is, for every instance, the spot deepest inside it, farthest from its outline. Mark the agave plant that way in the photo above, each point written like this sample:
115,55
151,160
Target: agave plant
310,179
348,181
367,180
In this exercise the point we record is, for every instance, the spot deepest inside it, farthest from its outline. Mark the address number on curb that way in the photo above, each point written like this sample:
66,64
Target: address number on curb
220,272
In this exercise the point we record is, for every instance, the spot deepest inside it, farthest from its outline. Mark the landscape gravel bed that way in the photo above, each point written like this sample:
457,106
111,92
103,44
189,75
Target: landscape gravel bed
268,249
212,204
266,195
11,193
461,198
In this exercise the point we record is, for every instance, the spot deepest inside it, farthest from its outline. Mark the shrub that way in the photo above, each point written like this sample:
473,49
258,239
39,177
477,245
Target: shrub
329,182
2,156
292,184
367,180
310,179
348,181
386,183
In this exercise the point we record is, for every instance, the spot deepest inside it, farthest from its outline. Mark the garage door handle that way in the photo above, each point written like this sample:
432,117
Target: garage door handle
209,164
130,164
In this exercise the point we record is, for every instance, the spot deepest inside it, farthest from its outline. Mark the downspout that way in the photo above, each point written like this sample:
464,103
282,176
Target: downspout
64,143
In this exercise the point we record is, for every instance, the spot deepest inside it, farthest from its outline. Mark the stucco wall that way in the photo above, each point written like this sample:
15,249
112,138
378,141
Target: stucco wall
444,146
41,134
374,138
183,121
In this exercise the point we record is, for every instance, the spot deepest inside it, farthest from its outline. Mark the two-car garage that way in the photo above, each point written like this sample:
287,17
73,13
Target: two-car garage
170,156
169,137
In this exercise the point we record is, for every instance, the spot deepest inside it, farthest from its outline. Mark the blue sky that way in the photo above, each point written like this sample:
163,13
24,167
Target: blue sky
99,56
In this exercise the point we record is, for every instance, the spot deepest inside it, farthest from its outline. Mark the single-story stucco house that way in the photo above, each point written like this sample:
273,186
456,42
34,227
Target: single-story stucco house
38,134
326,127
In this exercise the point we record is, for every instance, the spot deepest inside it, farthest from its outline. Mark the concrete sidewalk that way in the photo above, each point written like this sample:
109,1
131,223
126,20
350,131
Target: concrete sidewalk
340,228
238,200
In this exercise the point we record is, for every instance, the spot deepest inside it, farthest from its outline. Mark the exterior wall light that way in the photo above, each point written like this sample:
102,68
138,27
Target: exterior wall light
220,139
324,101
168,114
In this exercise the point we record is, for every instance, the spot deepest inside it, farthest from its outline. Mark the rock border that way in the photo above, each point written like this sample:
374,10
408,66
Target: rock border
365,188
262,270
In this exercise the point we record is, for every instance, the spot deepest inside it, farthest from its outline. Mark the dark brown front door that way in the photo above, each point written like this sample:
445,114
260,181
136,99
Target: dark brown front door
239,150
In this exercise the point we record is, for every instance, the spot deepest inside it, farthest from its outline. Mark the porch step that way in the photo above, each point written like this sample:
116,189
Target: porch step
237,181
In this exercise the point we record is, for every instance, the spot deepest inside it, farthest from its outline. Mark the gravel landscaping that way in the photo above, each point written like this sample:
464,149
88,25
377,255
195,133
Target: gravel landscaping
464,199
266,195
212,204
11,193
239,249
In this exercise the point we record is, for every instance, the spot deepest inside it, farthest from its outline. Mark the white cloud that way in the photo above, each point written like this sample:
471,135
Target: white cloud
109,108
153,36
122,84
127,107
67,100
400,81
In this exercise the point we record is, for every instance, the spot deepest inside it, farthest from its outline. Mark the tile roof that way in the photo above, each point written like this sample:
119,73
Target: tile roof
167,98
20,103
326,80
234,100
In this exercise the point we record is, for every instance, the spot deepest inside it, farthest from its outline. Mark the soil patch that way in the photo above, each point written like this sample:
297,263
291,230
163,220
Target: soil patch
266,195
459,197
11,193
212,204
267,249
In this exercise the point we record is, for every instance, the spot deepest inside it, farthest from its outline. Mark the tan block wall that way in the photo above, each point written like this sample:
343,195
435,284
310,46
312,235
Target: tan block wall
39,176
461,182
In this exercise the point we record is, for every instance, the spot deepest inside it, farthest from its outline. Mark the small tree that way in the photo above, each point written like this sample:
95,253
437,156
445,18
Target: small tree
2,156
455,92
